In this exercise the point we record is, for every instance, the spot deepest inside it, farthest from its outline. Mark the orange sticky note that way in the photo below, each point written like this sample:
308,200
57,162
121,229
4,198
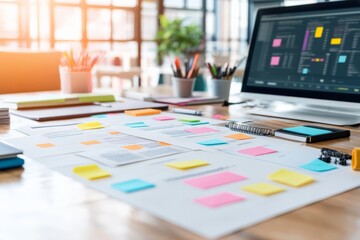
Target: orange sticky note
45,145
239,136
143,112
92,142
133,147
114,132
164,144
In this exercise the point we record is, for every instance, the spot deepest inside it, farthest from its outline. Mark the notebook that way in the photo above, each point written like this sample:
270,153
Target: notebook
7,151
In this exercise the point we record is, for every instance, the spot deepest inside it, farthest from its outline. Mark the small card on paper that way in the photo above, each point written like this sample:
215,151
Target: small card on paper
264,189
133,185
187,164
212,142
214,180
90,172
257,151
92,142
164,118
219,200
90,125
290,178
239,136
200,130
133,147
143,112
45,145
318,166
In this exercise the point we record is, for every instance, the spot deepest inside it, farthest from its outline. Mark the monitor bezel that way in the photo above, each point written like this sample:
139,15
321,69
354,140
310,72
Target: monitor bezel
308,94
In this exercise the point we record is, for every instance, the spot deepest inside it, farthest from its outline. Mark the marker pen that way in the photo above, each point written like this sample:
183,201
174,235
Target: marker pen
187,111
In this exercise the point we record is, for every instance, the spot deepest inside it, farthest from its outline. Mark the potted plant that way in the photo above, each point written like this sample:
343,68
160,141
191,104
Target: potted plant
177,38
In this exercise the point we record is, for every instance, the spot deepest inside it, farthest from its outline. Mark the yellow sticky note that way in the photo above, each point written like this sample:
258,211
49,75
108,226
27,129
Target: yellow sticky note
143,112
133,147
90,125
91,172
290,178
45,145
92,142
239,136
187,164
335,41
164,144
114,132
265,189
319,32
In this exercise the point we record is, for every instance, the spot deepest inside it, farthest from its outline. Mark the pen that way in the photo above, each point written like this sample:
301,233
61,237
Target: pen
187,111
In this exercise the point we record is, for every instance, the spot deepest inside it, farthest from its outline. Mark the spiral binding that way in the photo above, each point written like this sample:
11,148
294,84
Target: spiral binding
245,128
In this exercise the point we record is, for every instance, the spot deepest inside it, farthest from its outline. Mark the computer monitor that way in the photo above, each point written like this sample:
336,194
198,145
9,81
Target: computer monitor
307,55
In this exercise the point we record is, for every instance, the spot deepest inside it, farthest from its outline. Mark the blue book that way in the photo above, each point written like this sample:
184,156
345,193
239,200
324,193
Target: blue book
11,163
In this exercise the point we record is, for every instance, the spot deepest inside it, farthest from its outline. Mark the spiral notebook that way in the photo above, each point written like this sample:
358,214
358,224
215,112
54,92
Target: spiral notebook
250,128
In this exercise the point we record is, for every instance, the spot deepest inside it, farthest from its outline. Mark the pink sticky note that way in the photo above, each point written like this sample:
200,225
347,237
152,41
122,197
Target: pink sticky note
275,60
219,200
164,118
200,130
214,180
277,42
257,151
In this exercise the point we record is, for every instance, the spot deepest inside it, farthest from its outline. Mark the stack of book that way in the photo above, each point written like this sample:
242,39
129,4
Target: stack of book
9,157
4,115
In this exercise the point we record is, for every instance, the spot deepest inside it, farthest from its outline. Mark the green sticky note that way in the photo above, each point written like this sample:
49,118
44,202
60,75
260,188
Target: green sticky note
318,166
96,98
189,120
309,131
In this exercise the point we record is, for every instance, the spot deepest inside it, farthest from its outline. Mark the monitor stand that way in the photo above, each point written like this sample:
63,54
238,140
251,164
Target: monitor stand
309,113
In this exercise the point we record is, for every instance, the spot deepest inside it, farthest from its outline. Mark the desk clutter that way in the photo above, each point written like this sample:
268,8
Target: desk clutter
4,115
189,170
9,157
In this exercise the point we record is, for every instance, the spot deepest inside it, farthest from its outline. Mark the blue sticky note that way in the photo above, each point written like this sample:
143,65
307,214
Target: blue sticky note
342,59
318,166
136,124
132,185
212,142
99,116
305,71
309,131
195,123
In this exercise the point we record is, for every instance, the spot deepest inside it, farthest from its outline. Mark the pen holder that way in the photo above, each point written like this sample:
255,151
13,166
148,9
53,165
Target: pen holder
75,82
183,87
219,88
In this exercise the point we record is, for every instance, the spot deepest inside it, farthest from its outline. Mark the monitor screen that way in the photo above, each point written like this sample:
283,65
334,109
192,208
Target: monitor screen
310,51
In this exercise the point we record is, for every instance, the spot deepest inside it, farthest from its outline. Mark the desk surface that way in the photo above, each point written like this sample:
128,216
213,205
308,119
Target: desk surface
43,204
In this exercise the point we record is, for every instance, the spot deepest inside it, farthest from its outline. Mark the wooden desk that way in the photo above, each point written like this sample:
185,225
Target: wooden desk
37,203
